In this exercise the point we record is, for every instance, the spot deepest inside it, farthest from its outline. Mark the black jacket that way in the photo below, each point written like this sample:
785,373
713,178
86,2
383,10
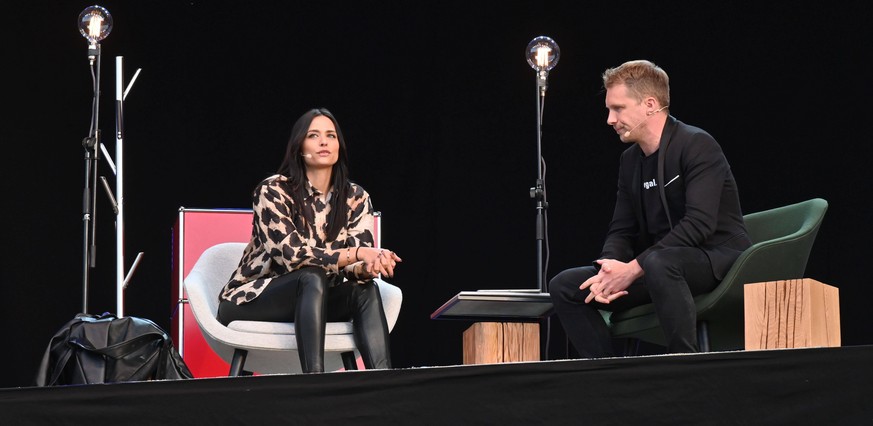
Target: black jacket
699,195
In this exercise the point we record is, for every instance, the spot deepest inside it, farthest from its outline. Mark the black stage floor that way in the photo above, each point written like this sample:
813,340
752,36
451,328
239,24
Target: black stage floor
822,386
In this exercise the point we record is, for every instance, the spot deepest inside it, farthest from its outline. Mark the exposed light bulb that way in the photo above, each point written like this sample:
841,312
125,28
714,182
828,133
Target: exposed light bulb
95,23
543,53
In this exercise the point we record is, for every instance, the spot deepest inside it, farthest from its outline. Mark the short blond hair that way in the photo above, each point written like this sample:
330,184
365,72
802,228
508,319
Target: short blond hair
643,78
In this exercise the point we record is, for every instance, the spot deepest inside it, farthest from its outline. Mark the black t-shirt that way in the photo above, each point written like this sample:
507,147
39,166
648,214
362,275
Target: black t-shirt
653,210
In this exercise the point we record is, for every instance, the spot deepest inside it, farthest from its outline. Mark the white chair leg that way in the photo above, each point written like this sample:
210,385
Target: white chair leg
239,360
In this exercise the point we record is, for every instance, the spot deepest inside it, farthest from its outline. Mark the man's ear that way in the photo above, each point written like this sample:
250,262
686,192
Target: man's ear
650,103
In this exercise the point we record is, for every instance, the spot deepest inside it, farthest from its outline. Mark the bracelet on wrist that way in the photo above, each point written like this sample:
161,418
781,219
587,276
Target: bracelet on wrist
356,253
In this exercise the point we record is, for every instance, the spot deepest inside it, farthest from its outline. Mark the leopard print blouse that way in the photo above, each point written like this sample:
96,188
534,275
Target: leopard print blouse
281,244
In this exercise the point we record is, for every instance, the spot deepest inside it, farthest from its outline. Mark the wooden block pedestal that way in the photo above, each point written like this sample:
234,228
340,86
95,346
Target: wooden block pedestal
791,314
496,342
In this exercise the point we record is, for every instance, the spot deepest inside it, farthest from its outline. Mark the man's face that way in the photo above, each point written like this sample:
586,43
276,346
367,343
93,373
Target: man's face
626,114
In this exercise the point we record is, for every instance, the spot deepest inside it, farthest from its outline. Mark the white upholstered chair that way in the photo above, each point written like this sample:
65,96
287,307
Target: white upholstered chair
259,346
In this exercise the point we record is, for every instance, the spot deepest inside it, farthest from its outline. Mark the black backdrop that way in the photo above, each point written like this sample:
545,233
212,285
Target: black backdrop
438,106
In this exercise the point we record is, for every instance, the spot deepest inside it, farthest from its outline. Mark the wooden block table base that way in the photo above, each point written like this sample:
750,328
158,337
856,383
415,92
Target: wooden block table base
496,342
791,314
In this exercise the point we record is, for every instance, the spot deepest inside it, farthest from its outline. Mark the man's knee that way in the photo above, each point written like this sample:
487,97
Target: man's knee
559,283
566,283
657,263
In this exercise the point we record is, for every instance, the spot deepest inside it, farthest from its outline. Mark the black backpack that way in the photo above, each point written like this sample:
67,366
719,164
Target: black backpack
104,349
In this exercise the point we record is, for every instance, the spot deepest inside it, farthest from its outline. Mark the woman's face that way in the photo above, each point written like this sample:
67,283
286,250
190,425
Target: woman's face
321,144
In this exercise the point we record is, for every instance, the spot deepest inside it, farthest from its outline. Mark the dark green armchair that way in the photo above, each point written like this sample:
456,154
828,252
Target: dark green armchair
782,240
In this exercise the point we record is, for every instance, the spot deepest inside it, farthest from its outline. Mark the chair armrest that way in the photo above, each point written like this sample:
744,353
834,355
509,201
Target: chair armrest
392,298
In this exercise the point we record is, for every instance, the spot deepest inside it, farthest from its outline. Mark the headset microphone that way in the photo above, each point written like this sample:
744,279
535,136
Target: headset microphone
648,114
627,133
306,155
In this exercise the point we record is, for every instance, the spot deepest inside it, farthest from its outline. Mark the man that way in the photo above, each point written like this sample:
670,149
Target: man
677,226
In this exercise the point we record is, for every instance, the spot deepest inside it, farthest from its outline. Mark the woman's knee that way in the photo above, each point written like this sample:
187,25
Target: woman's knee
312,279
366,291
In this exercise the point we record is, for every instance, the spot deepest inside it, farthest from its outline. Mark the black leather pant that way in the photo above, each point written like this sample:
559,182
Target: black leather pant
672,278
359,302
306,298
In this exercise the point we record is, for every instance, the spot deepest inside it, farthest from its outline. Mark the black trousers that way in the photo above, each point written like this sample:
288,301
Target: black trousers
306,298
672,278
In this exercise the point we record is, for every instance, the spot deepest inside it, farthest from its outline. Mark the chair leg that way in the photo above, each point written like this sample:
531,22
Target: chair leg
349,361
631,346
702,336
238,361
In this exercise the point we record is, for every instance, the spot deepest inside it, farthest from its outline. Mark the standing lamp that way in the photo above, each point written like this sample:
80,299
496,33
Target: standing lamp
95,23
542,55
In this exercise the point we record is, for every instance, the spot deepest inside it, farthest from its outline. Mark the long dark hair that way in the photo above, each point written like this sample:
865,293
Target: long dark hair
294,168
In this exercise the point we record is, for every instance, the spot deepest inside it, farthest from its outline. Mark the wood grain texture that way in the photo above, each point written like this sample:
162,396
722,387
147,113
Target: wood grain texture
794,313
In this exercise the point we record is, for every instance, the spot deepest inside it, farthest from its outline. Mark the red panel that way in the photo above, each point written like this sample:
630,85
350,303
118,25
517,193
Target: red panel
195,231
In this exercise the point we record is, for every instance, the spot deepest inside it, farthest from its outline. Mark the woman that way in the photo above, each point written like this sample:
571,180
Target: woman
311,258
